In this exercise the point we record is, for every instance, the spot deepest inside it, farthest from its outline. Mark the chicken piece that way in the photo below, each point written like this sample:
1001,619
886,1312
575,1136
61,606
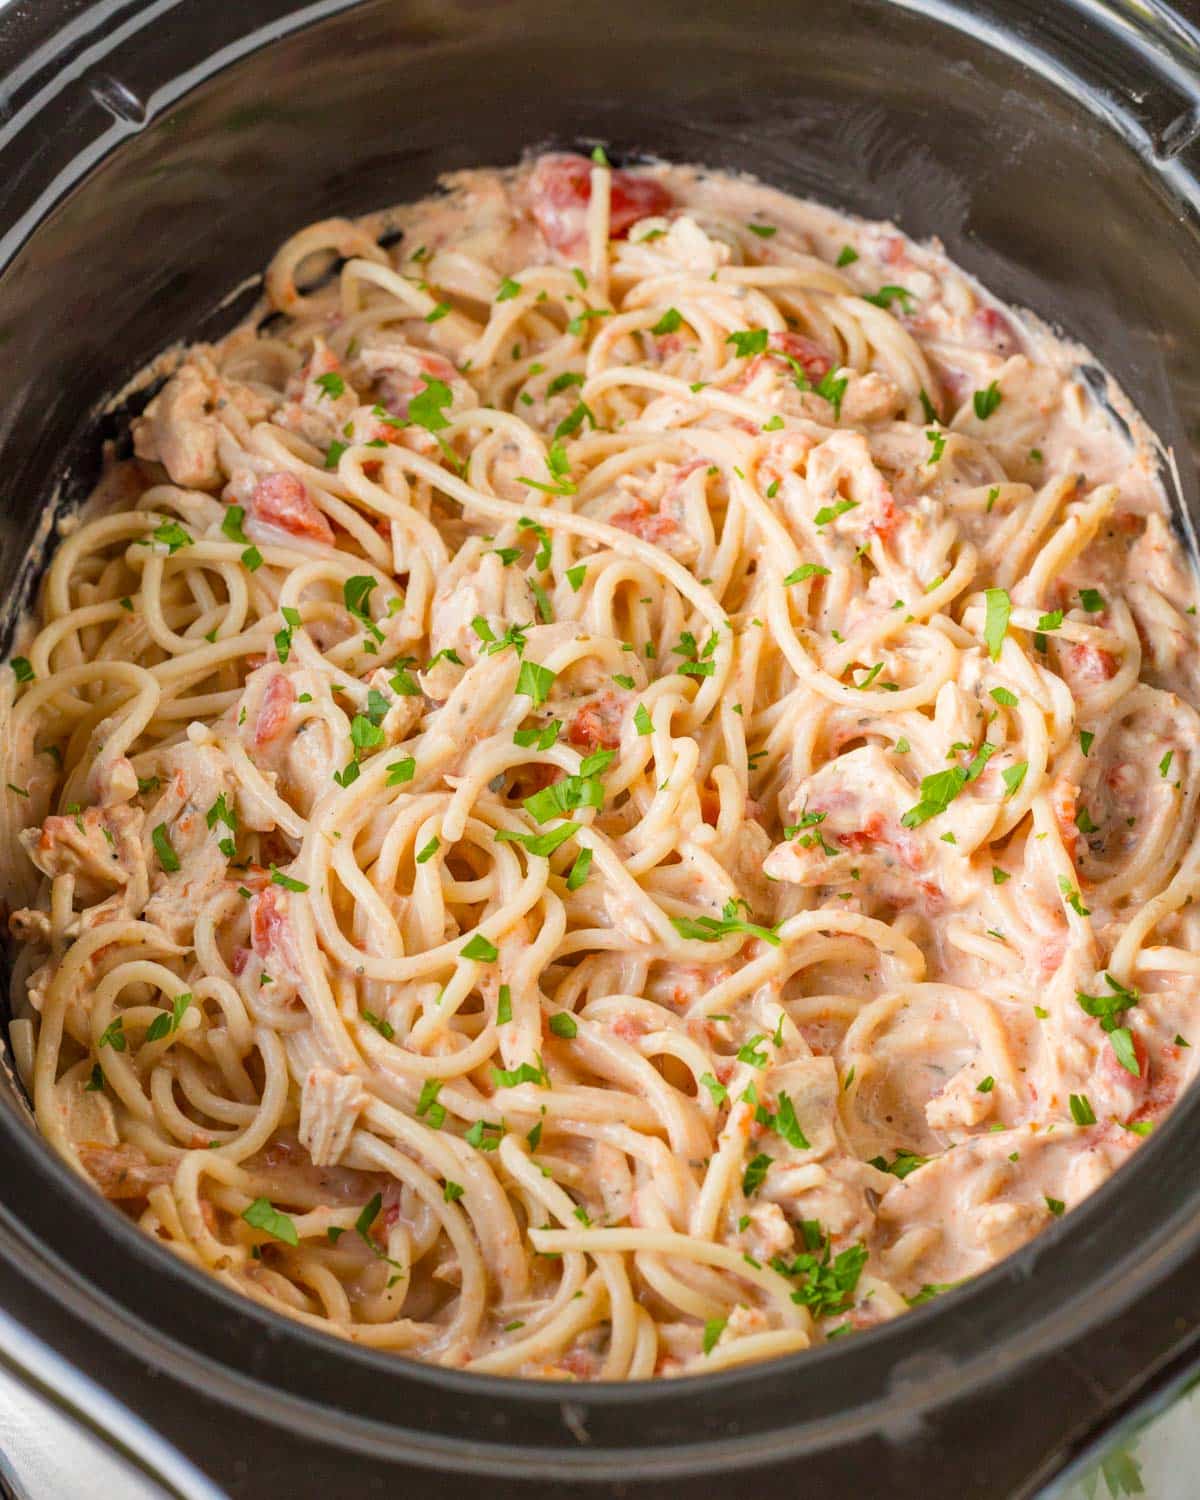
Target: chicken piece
400,371
279,503
488,590
180,427
1030,401
329,1107
840,469
834,1192
871,398
848,815
811,1086
289,740
653,507
597,724
123,1171
320,398
197,784
101,847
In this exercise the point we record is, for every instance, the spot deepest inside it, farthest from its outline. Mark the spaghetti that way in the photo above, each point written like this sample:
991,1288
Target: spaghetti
612,789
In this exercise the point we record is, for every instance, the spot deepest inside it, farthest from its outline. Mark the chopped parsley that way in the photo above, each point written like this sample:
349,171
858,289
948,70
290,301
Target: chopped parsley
998,612
163,847
713,929
262,1214
987,401
480,949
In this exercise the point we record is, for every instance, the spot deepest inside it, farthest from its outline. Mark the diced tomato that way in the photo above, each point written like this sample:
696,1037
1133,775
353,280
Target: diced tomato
1091,663
808,354
1051,952
862,838
270,930
997,329
323,362
543,775
581,1363
640,520
1162,1087
932,899
885,523
629,1028
598,723
437,368
275,711
1062,800
561,187
894,250
280,499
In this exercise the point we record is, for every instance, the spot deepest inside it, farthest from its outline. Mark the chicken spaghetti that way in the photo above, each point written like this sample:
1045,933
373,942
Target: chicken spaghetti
611,789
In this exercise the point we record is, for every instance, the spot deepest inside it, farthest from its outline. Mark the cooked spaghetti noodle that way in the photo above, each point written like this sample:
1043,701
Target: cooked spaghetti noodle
611,790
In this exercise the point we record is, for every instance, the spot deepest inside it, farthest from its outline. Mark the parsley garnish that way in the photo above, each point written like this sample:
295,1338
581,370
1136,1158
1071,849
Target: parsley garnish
167,857
998,612
755,1173
262,1214
1081,1110
748,341
901,1164
712,929
168,1021
481,949
886,295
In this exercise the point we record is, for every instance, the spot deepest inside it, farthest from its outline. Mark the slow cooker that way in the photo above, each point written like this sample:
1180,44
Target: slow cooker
152,154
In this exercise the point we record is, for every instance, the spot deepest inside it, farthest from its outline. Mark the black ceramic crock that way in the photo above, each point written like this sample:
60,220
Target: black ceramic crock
151,156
